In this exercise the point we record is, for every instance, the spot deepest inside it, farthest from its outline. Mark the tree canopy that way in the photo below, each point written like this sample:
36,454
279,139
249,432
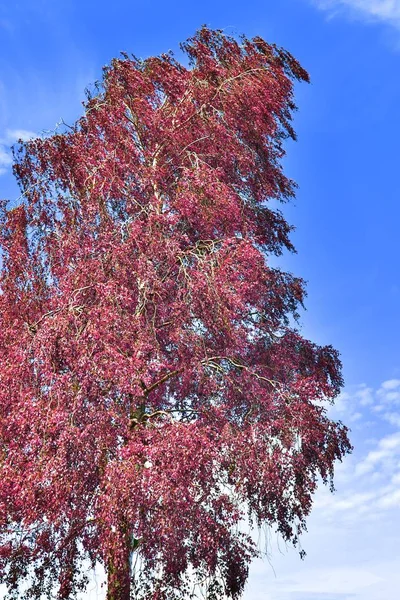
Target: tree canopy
154,393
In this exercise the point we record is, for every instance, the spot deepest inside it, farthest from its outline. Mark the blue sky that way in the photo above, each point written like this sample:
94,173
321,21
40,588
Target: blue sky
346,213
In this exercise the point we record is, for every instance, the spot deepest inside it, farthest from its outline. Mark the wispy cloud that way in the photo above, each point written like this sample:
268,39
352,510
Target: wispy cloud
352,539
382,402
383,10
13,135
372,475
385,456
5,159
10,137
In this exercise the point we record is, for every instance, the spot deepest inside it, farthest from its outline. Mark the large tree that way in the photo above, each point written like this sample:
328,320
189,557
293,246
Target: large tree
155,394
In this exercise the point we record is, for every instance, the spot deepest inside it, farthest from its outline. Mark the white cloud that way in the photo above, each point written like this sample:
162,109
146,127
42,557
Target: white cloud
383,10
385,455
383,402
390,500
391,384
365,395
352,540
338,580
388,401
393,418
5,159
13,135
8,139
388,396
368,481
348,404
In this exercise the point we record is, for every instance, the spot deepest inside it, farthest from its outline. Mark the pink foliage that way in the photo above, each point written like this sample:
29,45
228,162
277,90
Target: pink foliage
153,394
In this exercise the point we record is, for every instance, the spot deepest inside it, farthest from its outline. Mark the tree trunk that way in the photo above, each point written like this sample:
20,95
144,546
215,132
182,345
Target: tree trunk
119,574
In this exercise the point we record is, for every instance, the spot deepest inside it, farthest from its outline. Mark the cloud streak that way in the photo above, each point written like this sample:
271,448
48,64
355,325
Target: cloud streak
381,10
5,159
352,539
10,137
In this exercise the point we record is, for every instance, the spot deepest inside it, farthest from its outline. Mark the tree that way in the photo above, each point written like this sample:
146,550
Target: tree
155,393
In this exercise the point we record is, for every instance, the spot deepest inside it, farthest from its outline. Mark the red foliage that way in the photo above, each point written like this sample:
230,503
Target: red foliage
153,393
